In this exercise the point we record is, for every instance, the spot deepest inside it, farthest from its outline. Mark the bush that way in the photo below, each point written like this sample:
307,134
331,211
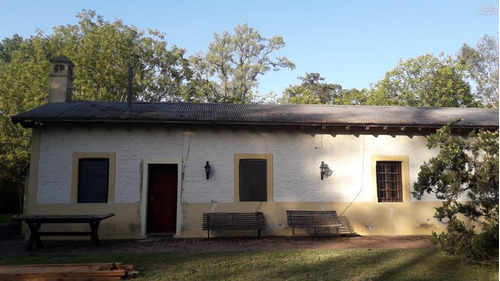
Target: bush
464,167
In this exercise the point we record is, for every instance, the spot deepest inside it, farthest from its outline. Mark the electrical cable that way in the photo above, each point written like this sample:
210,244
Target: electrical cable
362,180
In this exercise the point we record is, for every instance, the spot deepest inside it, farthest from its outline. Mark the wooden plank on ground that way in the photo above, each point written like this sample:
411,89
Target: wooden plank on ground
67,279
55,274
118,265
67,272
61,269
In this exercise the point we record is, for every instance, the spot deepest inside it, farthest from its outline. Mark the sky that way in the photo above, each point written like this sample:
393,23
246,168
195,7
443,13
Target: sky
349,42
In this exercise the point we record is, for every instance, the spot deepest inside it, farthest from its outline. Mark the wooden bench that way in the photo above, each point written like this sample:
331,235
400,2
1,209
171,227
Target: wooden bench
34,223
312,219
234,221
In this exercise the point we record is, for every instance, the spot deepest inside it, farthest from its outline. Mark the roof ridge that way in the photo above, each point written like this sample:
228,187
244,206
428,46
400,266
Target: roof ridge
289,105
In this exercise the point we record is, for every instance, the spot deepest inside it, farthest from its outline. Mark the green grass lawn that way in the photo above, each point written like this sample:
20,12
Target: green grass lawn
356,264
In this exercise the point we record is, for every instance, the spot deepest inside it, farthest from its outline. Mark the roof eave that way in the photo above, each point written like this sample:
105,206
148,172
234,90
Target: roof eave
29,123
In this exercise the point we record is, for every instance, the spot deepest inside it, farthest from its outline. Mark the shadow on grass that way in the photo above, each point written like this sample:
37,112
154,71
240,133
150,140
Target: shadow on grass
358,264
387,264
313,265
336,265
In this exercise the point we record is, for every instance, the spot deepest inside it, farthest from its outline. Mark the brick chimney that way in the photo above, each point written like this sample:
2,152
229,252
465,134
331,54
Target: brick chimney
60,79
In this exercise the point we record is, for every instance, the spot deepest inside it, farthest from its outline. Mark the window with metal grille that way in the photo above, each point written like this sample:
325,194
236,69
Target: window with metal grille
389,181
93,180
253,180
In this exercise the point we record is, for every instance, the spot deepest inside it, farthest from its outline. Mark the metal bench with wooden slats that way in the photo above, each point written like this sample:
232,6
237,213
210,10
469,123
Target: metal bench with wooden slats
234,221
312,219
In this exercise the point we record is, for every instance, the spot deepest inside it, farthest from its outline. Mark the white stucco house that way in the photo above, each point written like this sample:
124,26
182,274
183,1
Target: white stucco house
145,161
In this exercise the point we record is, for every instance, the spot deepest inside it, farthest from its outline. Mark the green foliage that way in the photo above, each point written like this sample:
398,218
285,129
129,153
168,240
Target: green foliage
103,51
200,88
352,97
236,61
465,168
481,65
299,95
424,81
8,45
23,86
313,91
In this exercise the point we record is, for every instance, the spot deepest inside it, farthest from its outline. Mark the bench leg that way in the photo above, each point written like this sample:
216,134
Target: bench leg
258,231
94,237
34,235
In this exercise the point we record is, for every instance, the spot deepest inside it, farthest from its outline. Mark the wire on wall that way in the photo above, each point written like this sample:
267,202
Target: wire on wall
258,207
184,163
362,179
187,153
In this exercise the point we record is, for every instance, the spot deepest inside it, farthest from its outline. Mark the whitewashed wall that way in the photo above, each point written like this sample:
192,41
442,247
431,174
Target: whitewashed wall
131,146
297,156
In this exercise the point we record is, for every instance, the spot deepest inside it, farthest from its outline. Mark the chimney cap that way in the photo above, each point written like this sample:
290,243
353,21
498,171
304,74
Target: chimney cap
61,59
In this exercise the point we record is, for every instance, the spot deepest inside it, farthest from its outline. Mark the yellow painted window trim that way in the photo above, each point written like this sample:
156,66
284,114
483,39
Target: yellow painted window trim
405,173
112,173
237,158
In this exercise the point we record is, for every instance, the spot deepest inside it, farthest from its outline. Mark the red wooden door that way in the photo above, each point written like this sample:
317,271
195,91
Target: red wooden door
162,198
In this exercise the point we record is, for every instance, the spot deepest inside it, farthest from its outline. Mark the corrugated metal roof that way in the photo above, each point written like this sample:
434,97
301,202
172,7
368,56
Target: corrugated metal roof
258,114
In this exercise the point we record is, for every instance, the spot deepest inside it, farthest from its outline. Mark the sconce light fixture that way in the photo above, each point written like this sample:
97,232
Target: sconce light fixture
323,168
207,170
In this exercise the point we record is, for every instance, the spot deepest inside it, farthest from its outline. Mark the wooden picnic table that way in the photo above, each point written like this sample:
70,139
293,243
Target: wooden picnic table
34,223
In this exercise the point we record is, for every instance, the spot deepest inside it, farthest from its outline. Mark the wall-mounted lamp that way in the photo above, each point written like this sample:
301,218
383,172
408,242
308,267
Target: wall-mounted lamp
207,170
323,167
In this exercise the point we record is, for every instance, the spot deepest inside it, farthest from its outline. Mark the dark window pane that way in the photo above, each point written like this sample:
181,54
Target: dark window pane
389,181
253,180
93,176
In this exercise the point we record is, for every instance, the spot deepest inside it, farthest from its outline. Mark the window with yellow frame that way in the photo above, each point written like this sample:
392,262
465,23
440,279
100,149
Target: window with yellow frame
93,177
390,177
253,177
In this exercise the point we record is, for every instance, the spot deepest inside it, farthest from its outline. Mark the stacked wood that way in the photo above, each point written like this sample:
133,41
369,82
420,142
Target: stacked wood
67,272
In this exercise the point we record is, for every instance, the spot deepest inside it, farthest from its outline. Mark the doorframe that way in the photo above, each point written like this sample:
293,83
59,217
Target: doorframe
145,188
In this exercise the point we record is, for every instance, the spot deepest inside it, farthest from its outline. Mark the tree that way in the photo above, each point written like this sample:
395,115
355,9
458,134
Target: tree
464,169
481,65
424,81
8,45
103,51
236,61
23,85
311,91
200,88
352,97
